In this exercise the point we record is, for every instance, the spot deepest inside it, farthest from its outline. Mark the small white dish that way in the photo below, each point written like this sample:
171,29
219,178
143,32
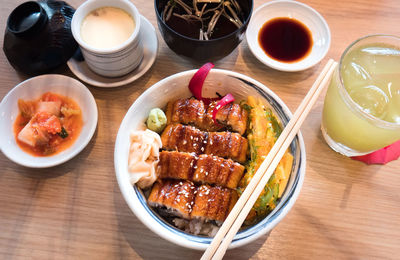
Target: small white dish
175,87
150,47
308,16
33,88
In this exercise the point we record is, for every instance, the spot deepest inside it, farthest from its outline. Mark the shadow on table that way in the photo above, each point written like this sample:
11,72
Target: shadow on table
331,237
33,189
278,78
343,170
148,245
178,63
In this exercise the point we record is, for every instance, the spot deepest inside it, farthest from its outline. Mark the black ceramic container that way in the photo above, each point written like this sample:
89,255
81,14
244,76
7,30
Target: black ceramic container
200,50
38,36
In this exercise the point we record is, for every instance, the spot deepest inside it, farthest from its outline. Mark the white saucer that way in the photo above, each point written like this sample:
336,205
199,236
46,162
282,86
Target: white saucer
150,48
305,14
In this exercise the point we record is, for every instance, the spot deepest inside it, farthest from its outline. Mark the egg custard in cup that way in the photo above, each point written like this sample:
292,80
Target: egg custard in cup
108,35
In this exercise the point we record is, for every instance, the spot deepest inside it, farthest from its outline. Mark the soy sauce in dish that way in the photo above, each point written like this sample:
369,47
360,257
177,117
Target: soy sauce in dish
285,39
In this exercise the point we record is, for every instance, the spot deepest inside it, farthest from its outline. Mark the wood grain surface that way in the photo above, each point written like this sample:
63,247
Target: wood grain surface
346,210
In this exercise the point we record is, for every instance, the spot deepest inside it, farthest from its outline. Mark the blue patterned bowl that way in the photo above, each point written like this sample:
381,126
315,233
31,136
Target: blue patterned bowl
174,87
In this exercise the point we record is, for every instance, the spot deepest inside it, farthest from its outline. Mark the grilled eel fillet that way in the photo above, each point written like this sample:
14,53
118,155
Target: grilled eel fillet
185,199
177,196
194,112
200,169
190,139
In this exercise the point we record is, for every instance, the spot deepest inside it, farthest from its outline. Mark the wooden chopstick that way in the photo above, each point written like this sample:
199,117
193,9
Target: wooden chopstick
233,222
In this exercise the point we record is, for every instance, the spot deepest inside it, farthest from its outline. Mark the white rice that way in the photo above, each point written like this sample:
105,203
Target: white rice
196,226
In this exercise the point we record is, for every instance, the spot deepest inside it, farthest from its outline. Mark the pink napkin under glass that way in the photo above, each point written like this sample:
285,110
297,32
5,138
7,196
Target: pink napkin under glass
382,156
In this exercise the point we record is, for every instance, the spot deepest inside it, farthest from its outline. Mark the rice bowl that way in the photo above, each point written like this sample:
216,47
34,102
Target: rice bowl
174,87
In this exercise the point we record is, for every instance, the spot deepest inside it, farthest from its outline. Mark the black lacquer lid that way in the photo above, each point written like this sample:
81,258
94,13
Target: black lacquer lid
38,36
27,19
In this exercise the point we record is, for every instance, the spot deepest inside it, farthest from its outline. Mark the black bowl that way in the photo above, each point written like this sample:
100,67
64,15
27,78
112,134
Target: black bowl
202,50
38,36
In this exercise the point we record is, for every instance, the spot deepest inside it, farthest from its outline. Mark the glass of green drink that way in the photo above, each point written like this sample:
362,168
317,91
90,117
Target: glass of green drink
362,105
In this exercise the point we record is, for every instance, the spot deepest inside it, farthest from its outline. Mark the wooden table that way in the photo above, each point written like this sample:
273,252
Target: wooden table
345,210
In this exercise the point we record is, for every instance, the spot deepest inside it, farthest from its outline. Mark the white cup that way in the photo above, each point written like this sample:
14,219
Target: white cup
115,61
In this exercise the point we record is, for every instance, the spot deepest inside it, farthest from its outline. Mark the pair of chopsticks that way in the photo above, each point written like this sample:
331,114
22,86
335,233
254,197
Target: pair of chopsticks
234,221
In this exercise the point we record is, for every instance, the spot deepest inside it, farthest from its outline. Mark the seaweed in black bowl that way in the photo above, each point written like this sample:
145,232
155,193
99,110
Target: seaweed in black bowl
202,30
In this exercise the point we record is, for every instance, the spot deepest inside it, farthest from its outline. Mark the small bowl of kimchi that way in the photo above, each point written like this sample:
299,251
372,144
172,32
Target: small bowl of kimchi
210,147
46,120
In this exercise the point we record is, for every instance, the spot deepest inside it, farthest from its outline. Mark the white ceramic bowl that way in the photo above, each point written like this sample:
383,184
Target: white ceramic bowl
172,88
308,16
33,88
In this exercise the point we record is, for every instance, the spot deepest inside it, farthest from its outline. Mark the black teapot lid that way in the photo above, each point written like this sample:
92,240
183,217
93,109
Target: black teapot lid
26,19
